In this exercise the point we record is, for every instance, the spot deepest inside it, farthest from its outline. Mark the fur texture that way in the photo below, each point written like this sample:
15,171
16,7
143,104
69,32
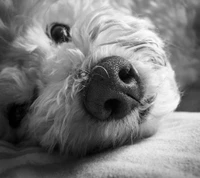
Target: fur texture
49,78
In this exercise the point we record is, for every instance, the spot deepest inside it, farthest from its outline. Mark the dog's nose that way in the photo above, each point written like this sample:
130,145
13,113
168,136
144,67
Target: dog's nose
113,90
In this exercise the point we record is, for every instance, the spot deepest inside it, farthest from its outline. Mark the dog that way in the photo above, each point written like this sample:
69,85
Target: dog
81,76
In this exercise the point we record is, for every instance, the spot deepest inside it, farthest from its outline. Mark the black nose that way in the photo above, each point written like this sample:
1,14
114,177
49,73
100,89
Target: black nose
113,90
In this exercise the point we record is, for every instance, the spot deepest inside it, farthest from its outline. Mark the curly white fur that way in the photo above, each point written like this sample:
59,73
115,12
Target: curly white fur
30,59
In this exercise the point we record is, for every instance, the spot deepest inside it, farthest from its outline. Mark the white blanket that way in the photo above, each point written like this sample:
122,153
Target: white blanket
173,152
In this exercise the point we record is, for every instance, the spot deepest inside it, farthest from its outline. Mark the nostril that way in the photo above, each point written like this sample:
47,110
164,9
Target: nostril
112,106
128,75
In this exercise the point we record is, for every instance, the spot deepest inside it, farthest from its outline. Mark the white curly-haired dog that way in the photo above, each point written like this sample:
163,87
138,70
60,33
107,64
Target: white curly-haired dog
80,75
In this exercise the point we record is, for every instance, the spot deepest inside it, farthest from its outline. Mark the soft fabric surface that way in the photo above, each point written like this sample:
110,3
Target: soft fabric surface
173,152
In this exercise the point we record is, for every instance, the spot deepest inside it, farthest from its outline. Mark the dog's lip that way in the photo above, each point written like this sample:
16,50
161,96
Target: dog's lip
138,100
16,112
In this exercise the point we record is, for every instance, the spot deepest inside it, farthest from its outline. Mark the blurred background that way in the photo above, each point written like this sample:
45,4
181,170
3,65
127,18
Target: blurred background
178,23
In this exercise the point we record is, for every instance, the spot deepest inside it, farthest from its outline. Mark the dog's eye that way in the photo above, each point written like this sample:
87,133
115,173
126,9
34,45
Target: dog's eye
59,33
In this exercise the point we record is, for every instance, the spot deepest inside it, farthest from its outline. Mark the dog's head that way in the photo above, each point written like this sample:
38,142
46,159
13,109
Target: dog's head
93,76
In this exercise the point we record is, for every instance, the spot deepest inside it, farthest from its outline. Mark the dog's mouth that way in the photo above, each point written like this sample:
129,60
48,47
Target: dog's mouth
16,112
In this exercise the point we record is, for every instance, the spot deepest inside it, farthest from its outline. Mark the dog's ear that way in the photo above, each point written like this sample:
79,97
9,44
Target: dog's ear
7,11
7,14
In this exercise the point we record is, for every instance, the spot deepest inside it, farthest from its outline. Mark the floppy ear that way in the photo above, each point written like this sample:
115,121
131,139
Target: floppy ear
7,34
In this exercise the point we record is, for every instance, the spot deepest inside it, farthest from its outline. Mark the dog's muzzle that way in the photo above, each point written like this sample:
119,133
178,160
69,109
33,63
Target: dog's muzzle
113,90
